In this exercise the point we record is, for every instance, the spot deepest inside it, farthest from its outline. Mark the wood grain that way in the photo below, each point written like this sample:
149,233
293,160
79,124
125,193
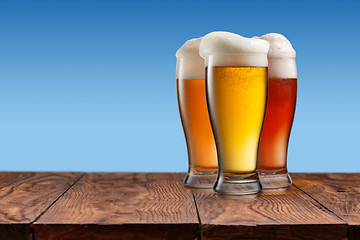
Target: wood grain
109,206
338,192
24,196
272,215
122,206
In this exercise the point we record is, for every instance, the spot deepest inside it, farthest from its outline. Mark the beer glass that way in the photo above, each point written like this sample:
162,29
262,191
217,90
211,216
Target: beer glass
236,100
272,165
190,80
236,88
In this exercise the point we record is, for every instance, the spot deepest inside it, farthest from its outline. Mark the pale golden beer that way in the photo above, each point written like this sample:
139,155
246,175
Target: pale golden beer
237,100
190,84
236,90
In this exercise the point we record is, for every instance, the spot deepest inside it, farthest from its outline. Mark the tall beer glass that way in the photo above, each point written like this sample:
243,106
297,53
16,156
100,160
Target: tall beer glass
194,115
236,88
279,113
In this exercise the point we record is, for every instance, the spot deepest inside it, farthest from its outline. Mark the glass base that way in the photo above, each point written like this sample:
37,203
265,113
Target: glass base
237,184
275,178
200,178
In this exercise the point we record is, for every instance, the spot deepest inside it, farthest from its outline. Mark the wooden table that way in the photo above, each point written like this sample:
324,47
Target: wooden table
53,205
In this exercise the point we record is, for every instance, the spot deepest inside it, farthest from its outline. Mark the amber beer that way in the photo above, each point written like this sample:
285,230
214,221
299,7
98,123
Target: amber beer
194,115
196,124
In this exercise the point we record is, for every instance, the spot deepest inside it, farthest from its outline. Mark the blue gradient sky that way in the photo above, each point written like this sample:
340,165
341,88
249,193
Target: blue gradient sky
90,85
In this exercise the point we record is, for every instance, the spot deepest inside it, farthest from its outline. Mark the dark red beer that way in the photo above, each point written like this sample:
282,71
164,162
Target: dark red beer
277,125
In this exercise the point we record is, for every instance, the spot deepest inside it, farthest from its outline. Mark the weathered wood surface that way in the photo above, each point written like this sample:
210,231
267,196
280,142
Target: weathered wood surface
340,193
24,196
122,206
272,215
55,206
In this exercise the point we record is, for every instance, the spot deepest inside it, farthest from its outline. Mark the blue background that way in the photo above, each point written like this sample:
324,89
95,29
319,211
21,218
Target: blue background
90,85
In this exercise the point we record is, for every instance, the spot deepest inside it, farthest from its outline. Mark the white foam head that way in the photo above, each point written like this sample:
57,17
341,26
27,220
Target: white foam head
281,56
230,49
189,63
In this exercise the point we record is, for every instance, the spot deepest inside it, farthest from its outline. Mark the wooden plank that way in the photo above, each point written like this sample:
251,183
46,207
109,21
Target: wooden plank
24,196
122,206
339,192
272,215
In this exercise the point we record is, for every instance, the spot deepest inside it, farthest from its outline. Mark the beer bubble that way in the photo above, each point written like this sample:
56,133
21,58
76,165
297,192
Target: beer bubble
192,65
230,49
